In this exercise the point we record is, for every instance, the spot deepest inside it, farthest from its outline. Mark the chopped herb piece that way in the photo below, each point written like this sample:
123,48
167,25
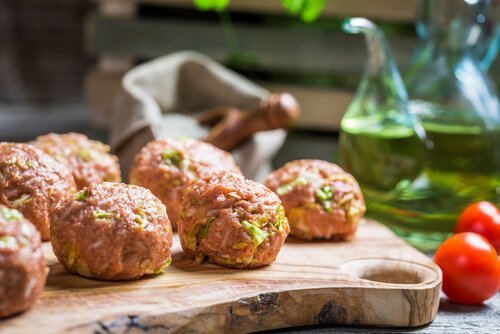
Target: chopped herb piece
85,154
23,164
234,194
190,239
256,233
325,195
328,206
287,187
281,220
7,241
140,216
240,245
139,220
159,270
22,201
101,214
82,268
199,258
172,157
12,162
10,214
203,233
82,195
72,256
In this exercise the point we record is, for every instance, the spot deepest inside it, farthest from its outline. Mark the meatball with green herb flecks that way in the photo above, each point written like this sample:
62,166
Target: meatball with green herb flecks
88,160
167,166
112,231
33,183
321,200
232,222
22,264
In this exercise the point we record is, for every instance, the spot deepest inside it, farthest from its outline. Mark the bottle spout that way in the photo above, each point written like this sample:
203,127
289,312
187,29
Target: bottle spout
380,65
356,25
491,53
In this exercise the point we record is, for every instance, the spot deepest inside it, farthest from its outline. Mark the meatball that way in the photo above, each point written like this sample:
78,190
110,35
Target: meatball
112,231
32,182
22,264
167,166
321,200
232,222
88,160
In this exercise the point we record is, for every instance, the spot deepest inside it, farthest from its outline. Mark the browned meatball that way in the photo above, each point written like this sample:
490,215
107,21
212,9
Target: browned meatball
22,264
232,221
167,166
321,200
112,231
88,160
32,182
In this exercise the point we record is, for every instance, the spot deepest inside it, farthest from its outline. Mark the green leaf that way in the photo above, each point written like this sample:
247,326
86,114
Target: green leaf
256,233
215,5
293,6
312,10
307,10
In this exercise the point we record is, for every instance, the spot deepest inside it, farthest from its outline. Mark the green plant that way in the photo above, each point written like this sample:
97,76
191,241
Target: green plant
307,10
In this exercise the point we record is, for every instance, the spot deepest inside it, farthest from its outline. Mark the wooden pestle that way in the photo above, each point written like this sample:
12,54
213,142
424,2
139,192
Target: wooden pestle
232,126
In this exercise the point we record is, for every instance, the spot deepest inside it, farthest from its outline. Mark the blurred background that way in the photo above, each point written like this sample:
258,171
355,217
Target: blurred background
61,61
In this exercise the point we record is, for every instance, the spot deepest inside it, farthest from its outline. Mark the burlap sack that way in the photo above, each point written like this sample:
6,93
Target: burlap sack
159,99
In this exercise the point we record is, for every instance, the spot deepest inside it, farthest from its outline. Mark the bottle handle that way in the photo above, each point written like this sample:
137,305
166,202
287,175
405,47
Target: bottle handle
489,56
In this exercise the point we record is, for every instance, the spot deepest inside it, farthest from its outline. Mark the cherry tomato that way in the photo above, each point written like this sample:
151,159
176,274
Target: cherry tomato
471,270
482,218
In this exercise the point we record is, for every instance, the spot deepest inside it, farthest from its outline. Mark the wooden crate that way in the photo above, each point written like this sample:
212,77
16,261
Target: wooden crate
316,62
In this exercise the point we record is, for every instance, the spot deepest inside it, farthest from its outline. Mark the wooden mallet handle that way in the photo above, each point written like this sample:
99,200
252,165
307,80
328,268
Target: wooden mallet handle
278,111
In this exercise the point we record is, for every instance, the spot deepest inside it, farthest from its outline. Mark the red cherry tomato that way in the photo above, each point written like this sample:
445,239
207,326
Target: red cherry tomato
471,270
482,218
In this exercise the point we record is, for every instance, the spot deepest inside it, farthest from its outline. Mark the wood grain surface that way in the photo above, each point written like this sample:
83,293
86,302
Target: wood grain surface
375,279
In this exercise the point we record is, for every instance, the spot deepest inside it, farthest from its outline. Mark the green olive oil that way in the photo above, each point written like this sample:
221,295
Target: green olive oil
418,187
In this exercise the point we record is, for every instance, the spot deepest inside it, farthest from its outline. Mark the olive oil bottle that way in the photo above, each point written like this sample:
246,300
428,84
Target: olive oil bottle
420,162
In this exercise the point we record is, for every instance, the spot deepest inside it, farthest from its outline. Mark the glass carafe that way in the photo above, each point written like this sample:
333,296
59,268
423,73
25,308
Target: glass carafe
456,104
457,121
381,143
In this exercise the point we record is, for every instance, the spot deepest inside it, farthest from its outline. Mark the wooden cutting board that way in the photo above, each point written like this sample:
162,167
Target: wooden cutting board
375,279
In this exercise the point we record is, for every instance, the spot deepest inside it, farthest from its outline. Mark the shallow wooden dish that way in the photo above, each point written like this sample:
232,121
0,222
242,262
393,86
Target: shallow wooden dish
375,279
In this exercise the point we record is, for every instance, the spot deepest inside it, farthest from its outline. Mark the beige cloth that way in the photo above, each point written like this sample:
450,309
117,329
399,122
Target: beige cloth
159,98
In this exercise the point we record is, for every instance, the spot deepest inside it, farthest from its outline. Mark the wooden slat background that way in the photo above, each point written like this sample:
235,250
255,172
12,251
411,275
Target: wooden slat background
271,48
396,10
48,48
317,62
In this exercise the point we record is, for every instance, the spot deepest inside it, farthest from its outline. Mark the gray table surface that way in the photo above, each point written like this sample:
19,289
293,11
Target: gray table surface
18,124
